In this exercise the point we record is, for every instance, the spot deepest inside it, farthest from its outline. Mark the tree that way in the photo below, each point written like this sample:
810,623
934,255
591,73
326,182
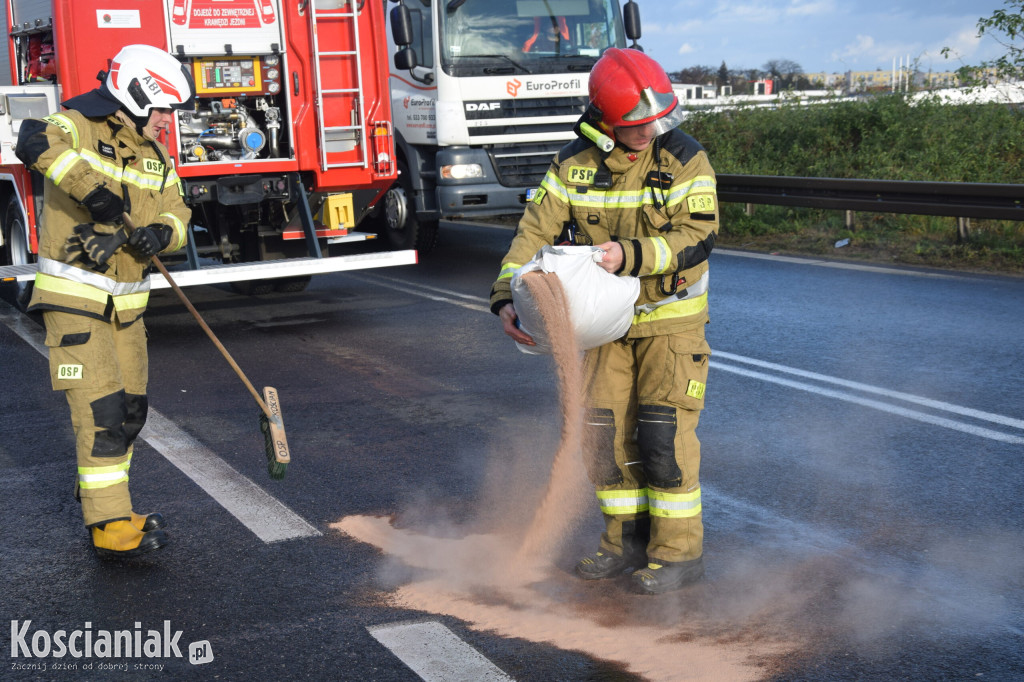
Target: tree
723,75
696,75
1006,27
786,72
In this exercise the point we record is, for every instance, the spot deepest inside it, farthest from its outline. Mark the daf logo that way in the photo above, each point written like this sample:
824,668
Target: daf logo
483,106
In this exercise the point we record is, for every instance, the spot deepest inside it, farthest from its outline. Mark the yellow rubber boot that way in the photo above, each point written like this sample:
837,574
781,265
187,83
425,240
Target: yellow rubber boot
122,539
148,522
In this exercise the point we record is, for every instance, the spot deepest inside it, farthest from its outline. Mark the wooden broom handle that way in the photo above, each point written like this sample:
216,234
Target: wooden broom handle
206,328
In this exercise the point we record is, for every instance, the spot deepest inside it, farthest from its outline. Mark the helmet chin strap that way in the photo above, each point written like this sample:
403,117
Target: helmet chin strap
139,121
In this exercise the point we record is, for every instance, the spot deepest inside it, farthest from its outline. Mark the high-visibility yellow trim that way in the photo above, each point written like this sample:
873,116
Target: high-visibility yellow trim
93,478
66,124
49,266
508,269
684,308
131,301
66,287
663,256
674,505
702,184
180,231
622,501
61,165
553,185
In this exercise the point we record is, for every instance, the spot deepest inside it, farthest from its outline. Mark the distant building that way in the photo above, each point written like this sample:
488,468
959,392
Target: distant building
823,79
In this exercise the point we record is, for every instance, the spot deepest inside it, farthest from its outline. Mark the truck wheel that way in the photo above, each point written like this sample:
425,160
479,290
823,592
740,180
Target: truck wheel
398,219
291,285
253,287
17,249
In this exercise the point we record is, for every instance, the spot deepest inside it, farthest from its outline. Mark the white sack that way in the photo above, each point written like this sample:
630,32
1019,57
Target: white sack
600,303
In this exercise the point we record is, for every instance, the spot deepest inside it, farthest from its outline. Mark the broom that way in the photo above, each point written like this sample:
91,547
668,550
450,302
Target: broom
271,423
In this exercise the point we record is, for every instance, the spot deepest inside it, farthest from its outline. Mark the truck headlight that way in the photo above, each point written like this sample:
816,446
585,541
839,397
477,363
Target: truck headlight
462,171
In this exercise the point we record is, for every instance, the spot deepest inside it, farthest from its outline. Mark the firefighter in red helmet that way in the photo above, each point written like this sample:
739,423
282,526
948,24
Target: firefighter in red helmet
643,191
100,158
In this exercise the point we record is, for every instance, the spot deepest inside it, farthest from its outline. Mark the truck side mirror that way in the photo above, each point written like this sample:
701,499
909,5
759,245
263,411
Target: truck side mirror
631,17
401,25
405,58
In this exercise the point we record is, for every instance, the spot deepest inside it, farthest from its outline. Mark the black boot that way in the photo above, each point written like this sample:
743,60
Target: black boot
600,565
659,578
148,522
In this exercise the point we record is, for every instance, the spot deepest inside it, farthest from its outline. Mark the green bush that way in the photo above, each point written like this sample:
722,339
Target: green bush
889,137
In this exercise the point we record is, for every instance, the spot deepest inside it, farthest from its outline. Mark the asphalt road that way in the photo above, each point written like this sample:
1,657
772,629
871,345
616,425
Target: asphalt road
861,472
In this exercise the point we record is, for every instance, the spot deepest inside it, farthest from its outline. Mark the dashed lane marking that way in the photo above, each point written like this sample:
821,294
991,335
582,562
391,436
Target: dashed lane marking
262,513
435,653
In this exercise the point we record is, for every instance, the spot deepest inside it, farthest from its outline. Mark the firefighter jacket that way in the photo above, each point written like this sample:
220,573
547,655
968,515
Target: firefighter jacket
76,155
659,204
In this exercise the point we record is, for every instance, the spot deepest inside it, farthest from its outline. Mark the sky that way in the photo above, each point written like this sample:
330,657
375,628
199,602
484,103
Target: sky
819,35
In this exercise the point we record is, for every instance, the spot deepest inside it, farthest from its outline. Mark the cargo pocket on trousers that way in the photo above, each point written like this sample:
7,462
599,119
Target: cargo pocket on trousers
691,372
65,340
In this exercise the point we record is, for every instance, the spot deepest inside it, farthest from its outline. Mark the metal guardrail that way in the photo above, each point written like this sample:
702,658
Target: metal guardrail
955,199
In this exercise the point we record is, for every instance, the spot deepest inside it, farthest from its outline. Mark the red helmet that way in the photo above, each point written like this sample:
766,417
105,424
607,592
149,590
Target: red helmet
628,88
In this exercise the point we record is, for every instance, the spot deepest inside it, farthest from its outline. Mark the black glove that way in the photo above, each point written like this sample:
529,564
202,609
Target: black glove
104,206
74,251
150,240
87,244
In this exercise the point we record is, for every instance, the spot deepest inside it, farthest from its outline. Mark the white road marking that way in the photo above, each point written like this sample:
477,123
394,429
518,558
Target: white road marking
875,404
435,653
481,305
924,402
428,292
839,265
260,512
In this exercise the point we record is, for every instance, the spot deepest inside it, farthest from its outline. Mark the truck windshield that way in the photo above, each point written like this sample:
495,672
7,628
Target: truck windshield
526,36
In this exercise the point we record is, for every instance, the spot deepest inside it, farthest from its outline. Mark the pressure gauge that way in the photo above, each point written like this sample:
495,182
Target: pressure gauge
273,87
271,60
273,74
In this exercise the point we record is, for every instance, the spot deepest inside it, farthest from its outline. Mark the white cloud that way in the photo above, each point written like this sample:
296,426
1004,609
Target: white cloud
963,44
686,48
861,45
802,8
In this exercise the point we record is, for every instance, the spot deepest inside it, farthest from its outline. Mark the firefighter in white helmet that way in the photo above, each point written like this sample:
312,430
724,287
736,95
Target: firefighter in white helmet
649,202
101,158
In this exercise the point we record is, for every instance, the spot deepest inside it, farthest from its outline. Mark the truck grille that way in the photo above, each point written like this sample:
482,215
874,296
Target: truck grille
525,108
523,165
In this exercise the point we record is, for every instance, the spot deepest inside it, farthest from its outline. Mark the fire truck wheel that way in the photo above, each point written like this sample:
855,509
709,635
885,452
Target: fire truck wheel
398,221
291,285
253,287
16,251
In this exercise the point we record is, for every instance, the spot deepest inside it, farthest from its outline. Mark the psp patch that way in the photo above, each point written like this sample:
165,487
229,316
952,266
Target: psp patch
582,175
701,203
538,196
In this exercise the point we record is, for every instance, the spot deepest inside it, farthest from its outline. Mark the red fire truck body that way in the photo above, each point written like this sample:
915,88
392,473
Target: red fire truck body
289,144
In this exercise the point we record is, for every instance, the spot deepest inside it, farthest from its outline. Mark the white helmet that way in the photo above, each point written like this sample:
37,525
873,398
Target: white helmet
143,77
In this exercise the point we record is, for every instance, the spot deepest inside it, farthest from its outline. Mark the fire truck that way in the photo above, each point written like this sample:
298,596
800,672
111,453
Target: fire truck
288,147
483,93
